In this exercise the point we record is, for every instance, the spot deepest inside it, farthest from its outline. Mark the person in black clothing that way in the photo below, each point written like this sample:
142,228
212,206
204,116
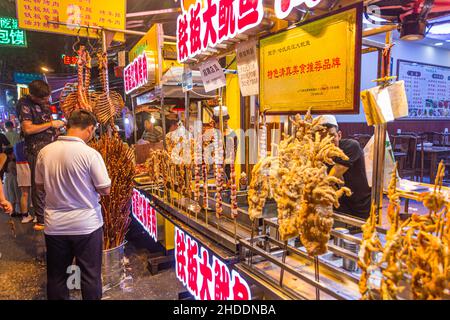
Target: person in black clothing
352,171
39,130
4,142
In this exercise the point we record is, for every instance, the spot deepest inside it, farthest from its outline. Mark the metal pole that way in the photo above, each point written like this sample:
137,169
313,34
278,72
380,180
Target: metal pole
374,31
133,106
152,12
186,128
82,26
104,48
163,118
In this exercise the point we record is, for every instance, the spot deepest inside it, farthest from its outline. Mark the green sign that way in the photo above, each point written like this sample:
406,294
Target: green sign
10,34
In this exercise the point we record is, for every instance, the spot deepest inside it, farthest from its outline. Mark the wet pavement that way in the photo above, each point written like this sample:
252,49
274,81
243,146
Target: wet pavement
23,271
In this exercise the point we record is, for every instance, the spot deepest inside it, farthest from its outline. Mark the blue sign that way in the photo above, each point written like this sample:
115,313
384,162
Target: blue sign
26,78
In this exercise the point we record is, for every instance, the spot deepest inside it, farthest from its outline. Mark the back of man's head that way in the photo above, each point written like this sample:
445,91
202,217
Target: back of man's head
39,89
9,125
81,119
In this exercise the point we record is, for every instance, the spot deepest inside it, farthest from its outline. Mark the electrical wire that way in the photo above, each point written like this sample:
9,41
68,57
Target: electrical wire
202,95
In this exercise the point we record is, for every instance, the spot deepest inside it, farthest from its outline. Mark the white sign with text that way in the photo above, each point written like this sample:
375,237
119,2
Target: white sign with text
247,66
212,74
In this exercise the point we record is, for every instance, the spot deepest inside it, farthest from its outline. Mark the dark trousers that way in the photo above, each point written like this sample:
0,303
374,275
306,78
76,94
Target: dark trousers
37,197
87,251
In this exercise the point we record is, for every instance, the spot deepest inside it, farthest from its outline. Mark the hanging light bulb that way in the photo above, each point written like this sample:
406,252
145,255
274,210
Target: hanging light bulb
152,119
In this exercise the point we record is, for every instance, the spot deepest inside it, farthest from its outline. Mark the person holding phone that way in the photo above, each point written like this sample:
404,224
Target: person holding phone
39,130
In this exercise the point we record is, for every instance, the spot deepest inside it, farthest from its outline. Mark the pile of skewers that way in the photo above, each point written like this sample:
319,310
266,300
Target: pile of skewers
116,206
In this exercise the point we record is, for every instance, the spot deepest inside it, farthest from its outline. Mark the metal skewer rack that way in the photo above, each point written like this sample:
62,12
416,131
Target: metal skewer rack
291,271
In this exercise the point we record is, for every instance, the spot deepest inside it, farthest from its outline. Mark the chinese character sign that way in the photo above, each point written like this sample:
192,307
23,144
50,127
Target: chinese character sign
10,34
205,276
315,65
247,66
35,14
136,73
69,60
145,214
212,74
206,26
26,78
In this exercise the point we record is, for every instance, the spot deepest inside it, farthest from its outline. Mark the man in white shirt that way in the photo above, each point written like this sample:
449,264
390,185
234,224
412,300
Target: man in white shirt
73,176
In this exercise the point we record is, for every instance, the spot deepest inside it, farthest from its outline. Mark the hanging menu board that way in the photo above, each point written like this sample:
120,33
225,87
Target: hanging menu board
34,15
427,88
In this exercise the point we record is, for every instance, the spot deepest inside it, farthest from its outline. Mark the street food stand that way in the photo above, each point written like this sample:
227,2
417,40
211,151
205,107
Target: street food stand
220,252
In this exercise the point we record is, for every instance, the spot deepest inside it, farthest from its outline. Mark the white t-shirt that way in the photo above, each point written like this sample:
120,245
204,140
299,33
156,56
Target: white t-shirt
71,171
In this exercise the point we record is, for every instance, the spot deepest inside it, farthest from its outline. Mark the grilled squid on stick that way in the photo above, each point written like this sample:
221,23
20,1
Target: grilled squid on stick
205,185
416,254
233,197
299,182
218,160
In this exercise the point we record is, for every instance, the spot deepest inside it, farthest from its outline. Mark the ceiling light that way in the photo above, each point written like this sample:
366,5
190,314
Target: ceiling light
443,28
439,44
413,28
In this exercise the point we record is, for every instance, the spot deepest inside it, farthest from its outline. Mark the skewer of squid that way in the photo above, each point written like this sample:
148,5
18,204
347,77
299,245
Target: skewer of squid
205,190
218,150
233,194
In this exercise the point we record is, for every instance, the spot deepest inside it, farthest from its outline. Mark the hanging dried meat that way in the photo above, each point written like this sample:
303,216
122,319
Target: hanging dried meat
107,103
81,99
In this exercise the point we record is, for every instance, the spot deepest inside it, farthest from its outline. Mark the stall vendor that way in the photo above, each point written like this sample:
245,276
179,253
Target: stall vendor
230,138
352,171
152,133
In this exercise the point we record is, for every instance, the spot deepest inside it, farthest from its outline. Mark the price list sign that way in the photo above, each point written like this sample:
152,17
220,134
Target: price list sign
35,14
427,88
10,34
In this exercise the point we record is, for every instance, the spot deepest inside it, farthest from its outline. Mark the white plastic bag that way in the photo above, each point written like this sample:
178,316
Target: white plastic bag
389,161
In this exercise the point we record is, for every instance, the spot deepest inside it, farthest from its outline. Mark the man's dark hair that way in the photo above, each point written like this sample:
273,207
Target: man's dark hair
9,124
81,119
39,89
329,126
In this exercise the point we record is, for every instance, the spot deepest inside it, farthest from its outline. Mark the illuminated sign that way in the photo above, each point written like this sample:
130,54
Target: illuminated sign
284,7
35,14
69,60
10,34
136,73
205,276
26,78
144,213
216,21
200,28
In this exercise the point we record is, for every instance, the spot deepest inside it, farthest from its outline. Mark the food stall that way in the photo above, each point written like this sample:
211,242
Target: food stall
231,241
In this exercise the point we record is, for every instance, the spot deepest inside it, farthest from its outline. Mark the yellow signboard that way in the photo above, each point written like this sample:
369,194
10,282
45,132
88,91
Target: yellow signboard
35,14
315,65
150,44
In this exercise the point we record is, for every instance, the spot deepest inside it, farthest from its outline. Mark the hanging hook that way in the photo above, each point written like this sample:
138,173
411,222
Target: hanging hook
91,46
76,42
